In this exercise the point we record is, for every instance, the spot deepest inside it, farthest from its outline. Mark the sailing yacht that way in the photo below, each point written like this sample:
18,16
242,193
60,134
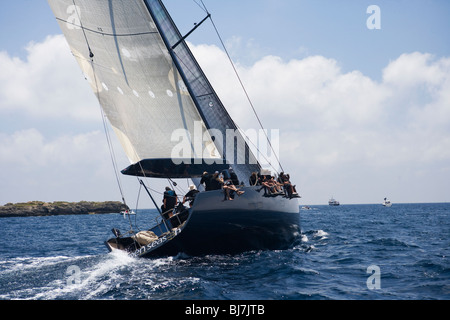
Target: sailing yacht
171,125
333,202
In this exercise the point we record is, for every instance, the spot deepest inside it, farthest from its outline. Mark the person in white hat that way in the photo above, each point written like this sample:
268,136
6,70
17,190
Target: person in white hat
190,196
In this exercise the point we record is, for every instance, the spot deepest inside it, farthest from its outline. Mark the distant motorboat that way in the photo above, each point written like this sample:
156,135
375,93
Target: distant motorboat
387,203
333,202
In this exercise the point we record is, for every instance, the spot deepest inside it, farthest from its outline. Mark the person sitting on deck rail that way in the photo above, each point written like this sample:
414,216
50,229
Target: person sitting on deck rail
276,186
190,196
229,189
206,181
265,185
271,188
215,182
234,178
254,180
284,179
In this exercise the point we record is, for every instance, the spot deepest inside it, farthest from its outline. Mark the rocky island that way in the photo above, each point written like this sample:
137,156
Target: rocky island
39,208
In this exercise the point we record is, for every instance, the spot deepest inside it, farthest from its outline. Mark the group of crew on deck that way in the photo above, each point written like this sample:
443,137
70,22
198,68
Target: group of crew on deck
274,187
228,181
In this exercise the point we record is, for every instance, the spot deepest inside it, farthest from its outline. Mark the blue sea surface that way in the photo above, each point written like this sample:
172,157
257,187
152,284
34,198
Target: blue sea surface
351,252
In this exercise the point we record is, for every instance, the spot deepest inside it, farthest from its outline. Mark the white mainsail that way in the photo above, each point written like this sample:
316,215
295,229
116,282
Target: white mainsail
151,88
125,60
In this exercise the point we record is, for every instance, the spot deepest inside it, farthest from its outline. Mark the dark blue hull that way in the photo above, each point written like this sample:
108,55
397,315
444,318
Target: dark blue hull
249,222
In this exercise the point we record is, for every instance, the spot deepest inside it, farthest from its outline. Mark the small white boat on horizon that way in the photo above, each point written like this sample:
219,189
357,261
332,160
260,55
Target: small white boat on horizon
333,202
128,213
387,203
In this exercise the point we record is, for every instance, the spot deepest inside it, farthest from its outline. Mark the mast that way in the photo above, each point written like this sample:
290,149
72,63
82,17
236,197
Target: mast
149,85
173,54
203,94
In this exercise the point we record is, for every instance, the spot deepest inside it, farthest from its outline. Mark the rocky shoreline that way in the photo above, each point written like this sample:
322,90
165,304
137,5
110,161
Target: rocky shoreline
42,209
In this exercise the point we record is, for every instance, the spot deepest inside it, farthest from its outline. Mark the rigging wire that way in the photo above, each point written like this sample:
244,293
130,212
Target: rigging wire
137,206
105,126
107,133
242,85
241,131
108,137
201,6
112,153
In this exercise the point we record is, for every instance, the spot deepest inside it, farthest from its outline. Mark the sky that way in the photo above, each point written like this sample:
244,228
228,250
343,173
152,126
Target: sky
363,113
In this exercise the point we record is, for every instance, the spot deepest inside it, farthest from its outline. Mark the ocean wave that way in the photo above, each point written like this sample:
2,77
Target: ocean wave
84,277
316,234
24,264
330,260
392,242
321,234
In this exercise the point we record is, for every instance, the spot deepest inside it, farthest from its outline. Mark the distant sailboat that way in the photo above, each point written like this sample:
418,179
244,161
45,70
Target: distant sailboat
149,85
387,203
128,212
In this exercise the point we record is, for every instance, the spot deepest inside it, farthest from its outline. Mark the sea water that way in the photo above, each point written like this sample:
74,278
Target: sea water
355,252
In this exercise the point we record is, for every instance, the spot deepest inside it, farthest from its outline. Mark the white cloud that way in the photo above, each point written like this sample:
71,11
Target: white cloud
414,69
333,122
51,155
48,84
68,167
30,149
340,132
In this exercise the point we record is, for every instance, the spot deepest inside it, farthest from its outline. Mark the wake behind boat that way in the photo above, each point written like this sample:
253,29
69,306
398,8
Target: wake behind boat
172,125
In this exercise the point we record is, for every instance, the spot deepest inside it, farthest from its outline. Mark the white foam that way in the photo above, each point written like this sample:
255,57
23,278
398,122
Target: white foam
90,277
77,278
322,234
23,264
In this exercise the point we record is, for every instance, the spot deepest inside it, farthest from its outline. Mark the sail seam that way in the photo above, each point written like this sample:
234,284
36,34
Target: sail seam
109,34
